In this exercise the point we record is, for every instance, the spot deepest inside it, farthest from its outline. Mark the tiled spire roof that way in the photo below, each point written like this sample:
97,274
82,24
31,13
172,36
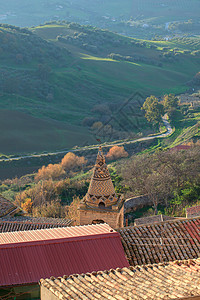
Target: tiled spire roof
101,169
101,188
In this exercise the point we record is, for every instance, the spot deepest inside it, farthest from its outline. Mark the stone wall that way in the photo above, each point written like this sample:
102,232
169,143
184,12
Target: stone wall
90,216
152,219
135,203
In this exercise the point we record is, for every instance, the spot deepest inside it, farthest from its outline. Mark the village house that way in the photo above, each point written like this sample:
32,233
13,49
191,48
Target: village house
152,219
193,211
96,261
28,256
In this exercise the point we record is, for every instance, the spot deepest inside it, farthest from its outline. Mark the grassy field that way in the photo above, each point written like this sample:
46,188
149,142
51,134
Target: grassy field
58,84
32,134
187,127
144,76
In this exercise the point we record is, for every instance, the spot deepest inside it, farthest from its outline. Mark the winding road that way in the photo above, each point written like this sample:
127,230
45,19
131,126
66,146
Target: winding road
162,135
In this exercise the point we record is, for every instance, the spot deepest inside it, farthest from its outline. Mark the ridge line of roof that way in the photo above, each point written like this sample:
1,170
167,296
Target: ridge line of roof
33,223
132,268
75,226
58,240
161,222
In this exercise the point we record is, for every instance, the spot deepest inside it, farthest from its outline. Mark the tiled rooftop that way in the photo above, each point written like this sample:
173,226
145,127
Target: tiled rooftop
180,147
165,241
171,280
6,206
152,219
8,224
192,212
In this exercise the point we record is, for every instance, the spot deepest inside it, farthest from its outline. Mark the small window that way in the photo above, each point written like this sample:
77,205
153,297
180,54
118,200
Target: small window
101,205
98,222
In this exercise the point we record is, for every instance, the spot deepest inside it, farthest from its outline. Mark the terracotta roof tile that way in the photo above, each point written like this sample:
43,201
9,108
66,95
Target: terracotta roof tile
6,206
162,242
192,212
152,219
170,280
8,224
180,147
101,188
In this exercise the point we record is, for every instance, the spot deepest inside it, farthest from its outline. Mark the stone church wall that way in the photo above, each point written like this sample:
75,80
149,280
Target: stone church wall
114,219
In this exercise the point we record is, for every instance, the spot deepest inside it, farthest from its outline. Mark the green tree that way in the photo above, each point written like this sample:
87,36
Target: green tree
170,102
153,110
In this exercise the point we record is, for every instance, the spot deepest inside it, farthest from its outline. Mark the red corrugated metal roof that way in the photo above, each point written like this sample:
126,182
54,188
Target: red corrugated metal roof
27,256
180,147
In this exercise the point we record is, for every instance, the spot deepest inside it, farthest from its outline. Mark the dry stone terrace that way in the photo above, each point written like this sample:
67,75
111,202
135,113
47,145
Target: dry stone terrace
173,280
162,242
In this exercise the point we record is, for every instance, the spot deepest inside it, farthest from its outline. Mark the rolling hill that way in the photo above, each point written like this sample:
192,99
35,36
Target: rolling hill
137,18
62,74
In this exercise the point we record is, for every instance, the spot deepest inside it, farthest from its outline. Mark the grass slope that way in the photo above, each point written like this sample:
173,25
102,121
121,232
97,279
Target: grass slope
187,127
33,134
144,74
63,80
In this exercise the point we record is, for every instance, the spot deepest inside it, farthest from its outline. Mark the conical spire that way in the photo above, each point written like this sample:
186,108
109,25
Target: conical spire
101,189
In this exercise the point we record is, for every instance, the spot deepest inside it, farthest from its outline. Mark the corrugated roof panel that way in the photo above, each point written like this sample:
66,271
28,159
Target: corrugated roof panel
58,252
53,233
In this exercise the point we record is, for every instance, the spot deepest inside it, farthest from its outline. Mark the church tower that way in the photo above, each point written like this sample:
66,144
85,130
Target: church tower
101,203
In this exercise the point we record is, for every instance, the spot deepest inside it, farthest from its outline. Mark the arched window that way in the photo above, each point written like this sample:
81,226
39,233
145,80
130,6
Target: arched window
98,222
101,205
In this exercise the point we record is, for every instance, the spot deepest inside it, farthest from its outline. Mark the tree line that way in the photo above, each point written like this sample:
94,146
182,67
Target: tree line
55,188
170,178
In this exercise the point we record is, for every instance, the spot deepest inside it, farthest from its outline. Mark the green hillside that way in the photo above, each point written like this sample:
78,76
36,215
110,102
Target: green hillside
62,72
